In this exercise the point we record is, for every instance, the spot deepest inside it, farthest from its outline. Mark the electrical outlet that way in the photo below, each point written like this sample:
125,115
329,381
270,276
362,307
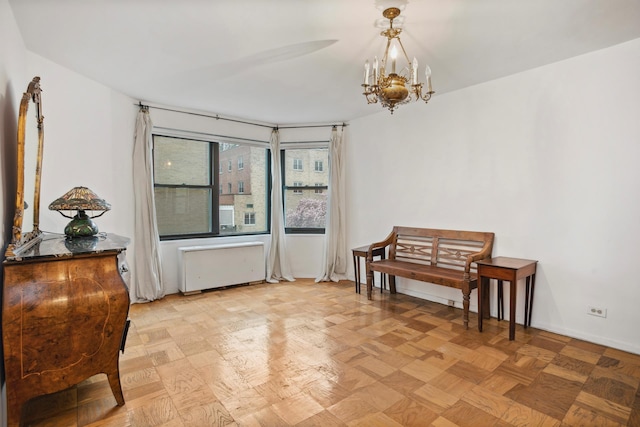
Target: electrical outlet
451,303
597,311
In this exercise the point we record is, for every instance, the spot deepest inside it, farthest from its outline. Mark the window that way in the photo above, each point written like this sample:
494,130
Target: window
229,166
249,218
240,163
190,198
305,206
240,187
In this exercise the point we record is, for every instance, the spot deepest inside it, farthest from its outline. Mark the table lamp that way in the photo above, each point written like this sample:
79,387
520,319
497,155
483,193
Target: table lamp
80,199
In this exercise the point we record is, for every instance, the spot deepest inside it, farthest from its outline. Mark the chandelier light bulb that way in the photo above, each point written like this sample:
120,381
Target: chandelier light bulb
394,55
375,70
366,72
427,74
414,71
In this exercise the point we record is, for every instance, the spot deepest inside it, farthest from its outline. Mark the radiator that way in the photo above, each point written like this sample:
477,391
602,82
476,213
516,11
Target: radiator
215,266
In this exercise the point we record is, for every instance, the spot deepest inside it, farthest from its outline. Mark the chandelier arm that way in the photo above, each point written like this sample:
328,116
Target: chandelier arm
404,52
386,53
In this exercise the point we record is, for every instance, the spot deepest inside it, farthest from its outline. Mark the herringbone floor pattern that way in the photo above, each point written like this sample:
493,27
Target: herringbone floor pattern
307,354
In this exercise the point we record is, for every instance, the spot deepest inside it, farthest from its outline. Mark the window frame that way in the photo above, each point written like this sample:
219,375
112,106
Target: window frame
215,189
324,188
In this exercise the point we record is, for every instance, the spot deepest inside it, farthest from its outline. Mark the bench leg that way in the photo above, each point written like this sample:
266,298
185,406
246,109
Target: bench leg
466,295
392,284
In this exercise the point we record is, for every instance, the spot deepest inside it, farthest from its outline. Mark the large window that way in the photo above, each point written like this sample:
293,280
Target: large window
190,201
305,178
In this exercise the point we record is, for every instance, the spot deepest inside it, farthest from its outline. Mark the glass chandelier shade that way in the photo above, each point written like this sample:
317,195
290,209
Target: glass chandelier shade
395,87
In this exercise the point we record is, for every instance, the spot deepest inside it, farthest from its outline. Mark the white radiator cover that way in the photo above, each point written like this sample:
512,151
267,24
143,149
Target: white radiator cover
215,266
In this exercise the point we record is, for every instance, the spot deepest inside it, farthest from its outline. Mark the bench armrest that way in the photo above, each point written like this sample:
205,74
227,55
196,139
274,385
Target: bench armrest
383,244
486,251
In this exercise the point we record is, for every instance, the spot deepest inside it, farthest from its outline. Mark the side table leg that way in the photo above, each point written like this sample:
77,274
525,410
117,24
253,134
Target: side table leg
356,272
533,285
500,300
483,288
512,309
526,300
383,276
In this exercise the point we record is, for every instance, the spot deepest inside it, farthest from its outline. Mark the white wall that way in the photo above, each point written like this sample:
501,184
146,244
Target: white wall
546,159
88,142
13,82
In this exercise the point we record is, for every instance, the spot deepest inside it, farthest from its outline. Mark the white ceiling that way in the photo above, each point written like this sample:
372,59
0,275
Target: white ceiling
301,61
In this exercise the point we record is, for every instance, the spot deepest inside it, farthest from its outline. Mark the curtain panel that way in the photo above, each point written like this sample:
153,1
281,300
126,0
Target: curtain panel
334,262
278,267
147,272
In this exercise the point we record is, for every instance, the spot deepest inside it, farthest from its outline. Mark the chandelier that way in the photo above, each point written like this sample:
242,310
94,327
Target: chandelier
391,89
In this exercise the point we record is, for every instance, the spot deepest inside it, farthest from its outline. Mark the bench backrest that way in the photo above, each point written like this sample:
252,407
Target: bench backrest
441,248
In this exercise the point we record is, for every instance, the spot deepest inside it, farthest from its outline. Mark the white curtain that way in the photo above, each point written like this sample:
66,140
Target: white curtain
334,262
147,271
277,261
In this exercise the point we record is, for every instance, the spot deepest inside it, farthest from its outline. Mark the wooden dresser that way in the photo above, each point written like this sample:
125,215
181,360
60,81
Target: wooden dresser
64,316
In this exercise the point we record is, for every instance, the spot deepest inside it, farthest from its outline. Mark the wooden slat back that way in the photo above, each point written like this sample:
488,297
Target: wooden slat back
413,248
453,253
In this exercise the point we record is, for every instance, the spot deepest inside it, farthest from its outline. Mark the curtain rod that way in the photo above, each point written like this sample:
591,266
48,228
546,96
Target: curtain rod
217,117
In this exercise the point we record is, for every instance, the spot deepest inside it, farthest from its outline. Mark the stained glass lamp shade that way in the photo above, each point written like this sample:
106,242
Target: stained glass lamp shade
80,199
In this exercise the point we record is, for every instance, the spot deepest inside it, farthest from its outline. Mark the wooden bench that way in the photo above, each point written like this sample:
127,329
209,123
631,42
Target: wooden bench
442,257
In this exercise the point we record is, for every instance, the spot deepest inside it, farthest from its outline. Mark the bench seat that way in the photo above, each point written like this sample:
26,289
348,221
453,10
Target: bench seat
424,273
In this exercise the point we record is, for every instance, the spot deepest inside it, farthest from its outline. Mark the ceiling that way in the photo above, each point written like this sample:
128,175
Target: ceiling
301,61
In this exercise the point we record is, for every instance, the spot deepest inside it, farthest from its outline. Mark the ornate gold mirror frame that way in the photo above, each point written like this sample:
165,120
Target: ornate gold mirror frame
29,167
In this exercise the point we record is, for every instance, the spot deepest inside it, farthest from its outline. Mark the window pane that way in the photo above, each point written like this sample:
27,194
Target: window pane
295,160
182,210
188,200
250,199
305,207
305,211
180,161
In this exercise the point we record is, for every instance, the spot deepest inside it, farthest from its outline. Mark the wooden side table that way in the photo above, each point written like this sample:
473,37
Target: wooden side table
511,270
361,252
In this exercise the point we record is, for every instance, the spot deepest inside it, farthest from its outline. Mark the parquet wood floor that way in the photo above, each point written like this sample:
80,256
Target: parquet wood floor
307,354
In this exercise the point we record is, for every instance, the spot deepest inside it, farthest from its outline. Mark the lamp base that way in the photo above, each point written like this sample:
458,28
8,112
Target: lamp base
81,226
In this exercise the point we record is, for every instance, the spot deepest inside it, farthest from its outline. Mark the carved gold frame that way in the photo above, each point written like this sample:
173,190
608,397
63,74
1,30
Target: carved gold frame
20,237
